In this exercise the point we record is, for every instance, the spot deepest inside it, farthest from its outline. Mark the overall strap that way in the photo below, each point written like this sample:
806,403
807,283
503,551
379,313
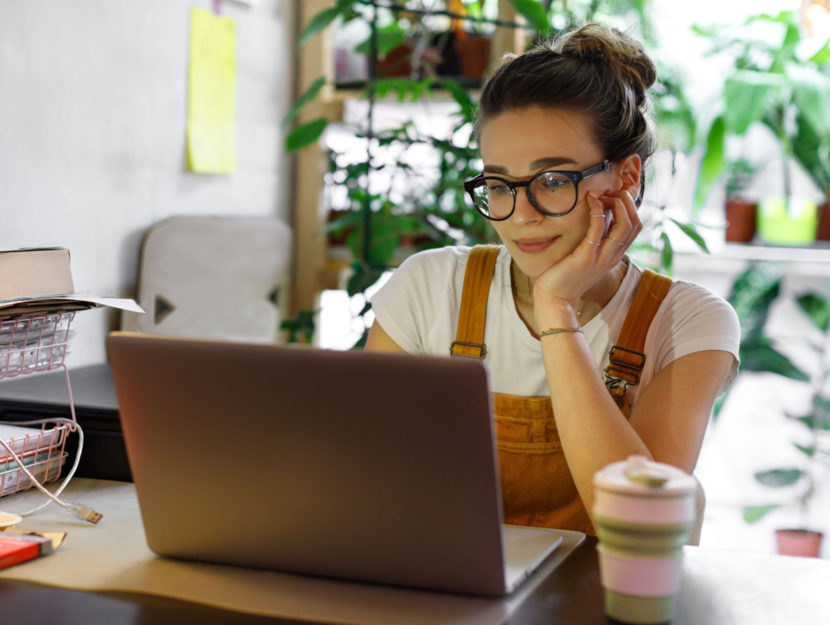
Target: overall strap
469,338
626,356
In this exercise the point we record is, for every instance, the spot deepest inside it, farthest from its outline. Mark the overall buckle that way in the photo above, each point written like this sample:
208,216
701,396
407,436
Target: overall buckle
625,365
480,346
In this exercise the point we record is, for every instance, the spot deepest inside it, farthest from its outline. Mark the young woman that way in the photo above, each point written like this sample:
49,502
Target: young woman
591,359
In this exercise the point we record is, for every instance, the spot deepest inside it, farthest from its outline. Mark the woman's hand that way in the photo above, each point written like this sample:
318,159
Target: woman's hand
597,254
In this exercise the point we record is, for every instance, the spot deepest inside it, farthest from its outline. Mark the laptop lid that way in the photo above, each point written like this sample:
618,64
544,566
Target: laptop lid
360,465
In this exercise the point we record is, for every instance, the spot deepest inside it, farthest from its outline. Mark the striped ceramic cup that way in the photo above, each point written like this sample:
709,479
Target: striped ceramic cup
645,512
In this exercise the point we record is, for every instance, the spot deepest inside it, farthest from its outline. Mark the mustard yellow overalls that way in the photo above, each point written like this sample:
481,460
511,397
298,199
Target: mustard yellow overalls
537,487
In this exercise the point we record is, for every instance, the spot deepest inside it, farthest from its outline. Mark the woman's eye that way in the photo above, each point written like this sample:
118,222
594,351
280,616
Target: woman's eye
496,187
552,183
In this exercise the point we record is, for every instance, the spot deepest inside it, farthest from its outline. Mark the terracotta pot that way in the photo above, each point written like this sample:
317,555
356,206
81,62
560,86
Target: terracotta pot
823,227
397,62
741,220
338,238
798,542
475,55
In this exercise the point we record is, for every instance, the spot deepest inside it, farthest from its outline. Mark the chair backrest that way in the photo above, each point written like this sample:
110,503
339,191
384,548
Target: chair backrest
213,277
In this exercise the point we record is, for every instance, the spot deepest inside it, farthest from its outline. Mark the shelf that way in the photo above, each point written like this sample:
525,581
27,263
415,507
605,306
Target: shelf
734,257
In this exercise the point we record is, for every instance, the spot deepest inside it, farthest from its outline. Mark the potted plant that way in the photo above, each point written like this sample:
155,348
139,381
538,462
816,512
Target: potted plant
740,210
753,294
771,84
803,540
397,222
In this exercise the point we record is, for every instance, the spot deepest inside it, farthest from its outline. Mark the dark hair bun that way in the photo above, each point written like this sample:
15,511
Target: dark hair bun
621,54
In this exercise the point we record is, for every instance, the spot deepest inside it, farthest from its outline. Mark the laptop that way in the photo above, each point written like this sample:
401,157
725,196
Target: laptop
364,466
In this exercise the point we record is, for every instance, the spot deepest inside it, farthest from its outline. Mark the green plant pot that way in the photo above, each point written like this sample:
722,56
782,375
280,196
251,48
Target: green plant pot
778,225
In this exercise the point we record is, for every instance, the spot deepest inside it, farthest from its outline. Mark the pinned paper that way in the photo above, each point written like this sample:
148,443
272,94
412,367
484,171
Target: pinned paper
211,103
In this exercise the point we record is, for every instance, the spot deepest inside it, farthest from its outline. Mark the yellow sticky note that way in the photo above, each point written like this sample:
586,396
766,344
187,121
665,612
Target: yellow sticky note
211,101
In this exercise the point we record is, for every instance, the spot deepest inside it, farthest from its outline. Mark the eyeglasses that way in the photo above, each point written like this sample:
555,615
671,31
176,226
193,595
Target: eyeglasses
551,193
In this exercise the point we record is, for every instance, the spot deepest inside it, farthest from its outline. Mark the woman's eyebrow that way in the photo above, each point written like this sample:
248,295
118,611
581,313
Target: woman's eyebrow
537,165
552,161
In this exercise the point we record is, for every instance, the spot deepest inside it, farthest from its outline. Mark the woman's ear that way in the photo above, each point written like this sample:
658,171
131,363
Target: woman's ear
628,172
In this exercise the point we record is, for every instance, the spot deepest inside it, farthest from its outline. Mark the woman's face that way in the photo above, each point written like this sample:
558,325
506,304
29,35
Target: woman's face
518,144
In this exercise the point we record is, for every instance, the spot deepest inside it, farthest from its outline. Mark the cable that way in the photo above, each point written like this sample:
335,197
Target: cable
84,512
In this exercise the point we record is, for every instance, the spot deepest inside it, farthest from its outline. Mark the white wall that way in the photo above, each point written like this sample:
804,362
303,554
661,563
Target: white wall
93,100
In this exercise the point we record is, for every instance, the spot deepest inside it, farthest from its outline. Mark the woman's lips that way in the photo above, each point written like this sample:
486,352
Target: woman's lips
534,246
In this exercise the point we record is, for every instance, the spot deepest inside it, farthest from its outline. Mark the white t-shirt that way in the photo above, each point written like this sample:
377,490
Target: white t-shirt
418,308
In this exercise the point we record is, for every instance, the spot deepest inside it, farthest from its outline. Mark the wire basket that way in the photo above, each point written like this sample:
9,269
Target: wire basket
37,343
28,345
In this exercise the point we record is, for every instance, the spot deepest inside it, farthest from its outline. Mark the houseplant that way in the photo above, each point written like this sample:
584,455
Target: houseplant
740,209
773,84
753,294
812,444
438,213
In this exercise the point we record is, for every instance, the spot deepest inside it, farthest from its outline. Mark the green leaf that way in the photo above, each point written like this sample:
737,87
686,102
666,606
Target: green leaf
811,92
748,94
321,21
667,253
712,163
362,278
821,56
807,451
690,231
817,309
461,96
778,478
753,514
305,134
535,14
300,328
304,99
761,357
388,38
753,293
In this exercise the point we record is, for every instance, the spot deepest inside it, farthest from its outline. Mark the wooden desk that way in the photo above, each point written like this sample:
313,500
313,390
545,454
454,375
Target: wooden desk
769,589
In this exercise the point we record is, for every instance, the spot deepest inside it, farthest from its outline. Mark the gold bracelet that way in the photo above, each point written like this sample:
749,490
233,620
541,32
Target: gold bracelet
559,331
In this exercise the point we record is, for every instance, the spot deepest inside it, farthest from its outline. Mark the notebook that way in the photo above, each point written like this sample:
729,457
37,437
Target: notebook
363,466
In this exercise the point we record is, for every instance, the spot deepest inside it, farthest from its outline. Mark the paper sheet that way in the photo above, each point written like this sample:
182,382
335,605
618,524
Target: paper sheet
211,102
113,556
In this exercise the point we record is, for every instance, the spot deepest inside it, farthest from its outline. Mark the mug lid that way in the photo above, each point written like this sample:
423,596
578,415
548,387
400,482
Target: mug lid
639,475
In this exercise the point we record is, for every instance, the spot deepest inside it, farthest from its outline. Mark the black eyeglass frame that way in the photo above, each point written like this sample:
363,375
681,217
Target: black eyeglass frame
574,176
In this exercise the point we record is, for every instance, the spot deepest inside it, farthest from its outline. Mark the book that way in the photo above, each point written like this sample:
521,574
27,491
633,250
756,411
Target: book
13,550
35,272
21,545
38,281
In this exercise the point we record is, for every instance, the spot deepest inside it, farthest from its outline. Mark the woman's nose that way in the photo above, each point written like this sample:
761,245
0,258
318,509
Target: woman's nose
525,213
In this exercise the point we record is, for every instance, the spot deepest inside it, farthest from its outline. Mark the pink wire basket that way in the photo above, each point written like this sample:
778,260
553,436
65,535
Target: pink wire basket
33,344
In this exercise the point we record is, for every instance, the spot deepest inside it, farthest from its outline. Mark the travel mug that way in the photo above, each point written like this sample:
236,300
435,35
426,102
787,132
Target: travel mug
645,512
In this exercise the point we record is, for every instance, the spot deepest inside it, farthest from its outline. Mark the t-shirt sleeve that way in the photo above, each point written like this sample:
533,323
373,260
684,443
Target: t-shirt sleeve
408,303
698,321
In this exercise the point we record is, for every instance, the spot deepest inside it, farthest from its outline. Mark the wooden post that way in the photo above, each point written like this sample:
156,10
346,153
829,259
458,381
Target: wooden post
313,60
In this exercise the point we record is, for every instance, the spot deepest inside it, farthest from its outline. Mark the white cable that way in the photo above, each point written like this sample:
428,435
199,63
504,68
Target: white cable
84,512
71,473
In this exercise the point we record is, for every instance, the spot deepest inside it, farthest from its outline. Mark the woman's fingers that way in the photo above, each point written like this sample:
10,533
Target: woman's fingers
600,220
614,218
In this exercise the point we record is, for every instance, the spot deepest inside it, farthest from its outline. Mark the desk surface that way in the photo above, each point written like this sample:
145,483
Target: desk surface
570,595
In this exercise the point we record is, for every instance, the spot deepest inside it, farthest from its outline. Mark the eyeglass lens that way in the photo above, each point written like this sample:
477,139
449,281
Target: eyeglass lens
552,192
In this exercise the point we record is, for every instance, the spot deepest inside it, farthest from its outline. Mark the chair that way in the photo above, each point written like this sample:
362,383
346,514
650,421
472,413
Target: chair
212,277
